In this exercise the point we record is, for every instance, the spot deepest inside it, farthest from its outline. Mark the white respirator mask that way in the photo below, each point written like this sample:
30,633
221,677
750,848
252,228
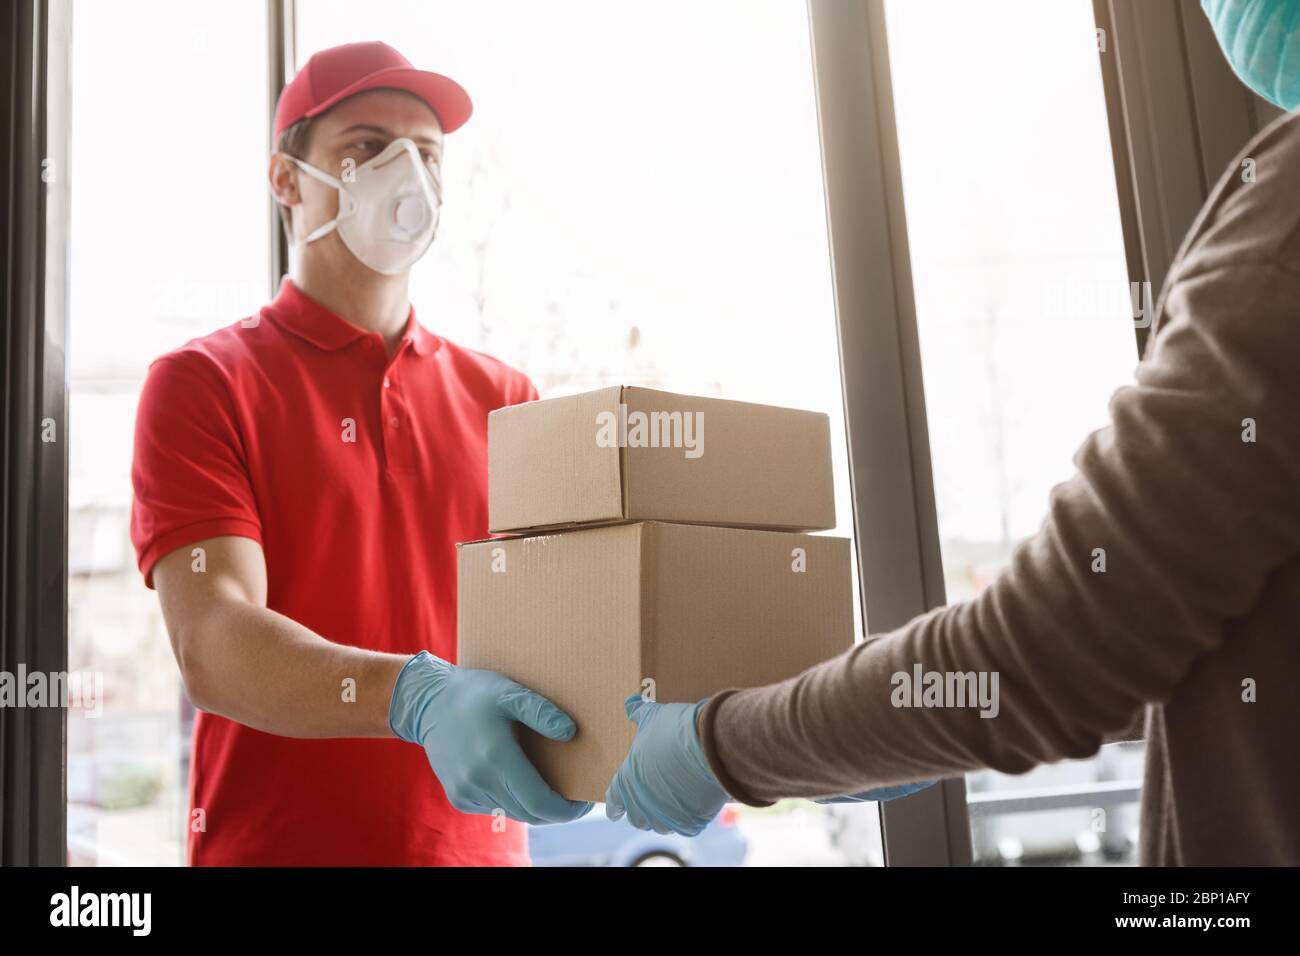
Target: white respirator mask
388,208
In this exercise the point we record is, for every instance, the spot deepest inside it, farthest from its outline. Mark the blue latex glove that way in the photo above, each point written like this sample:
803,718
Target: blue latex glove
665,783
465,720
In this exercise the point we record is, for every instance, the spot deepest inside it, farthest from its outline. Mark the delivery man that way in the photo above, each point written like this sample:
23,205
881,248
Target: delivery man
1166,576
301,478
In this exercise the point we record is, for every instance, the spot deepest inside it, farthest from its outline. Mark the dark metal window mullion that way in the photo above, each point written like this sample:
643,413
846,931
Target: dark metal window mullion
34,575
281,51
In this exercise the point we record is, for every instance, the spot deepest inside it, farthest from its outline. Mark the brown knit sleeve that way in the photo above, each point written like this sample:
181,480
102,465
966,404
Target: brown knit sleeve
1168,530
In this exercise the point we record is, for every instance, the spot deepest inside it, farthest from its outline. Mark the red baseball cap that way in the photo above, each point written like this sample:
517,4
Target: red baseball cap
333,75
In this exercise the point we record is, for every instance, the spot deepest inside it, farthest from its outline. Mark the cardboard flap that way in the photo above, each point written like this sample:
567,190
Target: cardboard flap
547,467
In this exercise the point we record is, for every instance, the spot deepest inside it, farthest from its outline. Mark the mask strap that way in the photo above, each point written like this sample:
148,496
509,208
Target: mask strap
313,172
326,228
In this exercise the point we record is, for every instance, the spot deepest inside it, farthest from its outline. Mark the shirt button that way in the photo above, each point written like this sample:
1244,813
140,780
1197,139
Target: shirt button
387,383
393,421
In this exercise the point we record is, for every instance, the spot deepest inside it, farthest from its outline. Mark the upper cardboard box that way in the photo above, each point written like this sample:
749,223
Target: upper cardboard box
626,454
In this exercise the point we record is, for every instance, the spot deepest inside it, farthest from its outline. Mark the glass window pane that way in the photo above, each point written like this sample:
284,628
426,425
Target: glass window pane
638,199
1024,313
169,240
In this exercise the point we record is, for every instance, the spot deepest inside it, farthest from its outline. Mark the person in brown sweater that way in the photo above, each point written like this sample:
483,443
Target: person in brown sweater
1166,577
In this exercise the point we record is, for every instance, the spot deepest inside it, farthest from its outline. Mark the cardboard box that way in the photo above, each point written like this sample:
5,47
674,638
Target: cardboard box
585,616
625,453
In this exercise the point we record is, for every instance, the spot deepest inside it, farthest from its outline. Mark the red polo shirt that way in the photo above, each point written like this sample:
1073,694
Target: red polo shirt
357,473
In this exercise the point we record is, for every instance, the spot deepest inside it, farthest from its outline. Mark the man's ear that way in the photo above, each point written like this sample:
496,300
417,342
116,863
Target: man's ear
283,177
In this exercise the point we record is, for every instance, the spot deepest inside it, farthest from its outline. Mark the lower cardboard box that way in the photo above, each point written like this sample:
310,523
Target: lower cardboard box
677,612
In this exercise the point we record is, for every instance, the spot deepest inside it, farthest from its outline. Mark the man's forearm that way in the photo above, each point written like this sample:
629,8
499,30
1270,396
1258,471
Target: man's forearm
262,669
854,724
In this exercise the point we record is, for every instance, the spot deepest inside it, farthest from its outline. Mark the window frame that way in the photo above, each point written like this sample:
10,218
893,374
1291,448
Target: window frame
1176,114
896,527
1175,92
34,597
282,64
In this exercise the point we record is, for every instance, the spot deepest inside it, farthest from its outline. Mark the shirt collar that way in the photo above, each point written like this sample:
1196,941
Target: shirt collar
306,318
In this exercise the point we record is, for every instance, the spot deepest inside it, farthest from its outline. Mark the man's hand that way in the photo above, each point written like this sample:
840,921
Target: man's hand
665,783
465,720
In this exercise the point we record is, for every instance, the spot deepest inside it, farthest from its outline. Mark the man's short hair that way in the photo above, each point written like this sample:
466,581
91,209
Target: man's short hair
294,141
